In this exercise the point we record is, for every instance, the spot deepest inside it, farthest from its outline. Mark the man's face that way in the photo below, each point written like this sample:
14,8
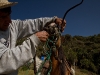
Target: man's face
4,20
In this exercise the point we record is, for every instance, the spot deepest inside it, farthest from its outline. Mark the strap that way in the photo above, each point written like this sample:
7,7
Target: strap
34,63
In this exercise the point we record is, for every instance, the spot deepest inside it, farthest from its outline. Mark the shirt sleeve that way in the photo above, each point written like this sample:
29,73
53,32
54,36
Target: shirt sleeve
14,58
29,26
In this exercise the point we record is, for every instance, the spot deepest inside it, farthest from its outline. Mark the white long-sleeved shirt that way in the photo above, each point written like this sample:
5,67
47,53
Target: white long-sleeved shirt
12,56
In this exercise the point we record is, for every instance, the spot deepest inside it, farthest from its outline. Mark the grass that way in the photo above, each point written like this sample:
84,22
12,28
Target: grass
26,72
27,69
83,72
77,72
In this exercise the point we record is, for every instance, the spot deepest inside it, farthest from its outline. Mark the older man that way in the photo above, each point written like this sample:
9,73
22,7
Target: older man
12,56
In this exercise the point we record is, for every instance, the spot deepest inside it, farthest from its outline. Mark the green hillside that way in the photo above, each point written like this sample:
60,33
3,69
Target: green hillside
83,52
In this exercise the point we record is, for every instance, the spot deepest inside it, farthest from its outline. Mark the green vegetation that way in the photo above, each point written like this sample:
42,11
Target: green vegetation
83,52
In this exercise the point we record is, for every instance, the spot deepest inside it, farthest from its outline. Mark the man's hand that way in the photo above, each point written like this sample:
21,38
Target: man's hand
42,35
60,22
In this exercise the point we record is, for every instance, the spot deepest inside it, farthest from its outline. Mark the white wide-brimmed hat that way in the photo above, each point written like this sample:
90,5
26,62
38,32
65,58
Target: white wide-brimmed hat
5,3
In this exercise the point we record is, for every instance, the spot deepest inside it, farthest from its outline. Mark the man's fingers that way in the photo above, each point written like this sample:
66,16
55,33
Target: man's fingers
42,35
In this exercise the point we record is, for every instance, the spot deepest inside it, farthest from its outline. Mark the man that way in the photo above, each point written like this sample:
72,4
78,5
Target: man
11,56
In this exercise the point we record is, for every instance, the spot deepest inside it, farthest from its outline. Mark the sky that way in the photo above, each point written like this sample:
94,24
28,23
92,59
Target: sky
83,20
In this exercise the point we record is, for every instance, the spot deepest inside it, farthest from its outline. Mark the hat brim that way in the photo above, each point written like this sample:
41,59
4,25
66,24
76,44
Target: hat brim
9,4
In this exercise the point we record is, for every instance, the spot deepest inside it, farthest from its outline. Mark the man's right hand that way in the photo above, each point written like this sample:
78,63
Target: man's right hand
42,35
